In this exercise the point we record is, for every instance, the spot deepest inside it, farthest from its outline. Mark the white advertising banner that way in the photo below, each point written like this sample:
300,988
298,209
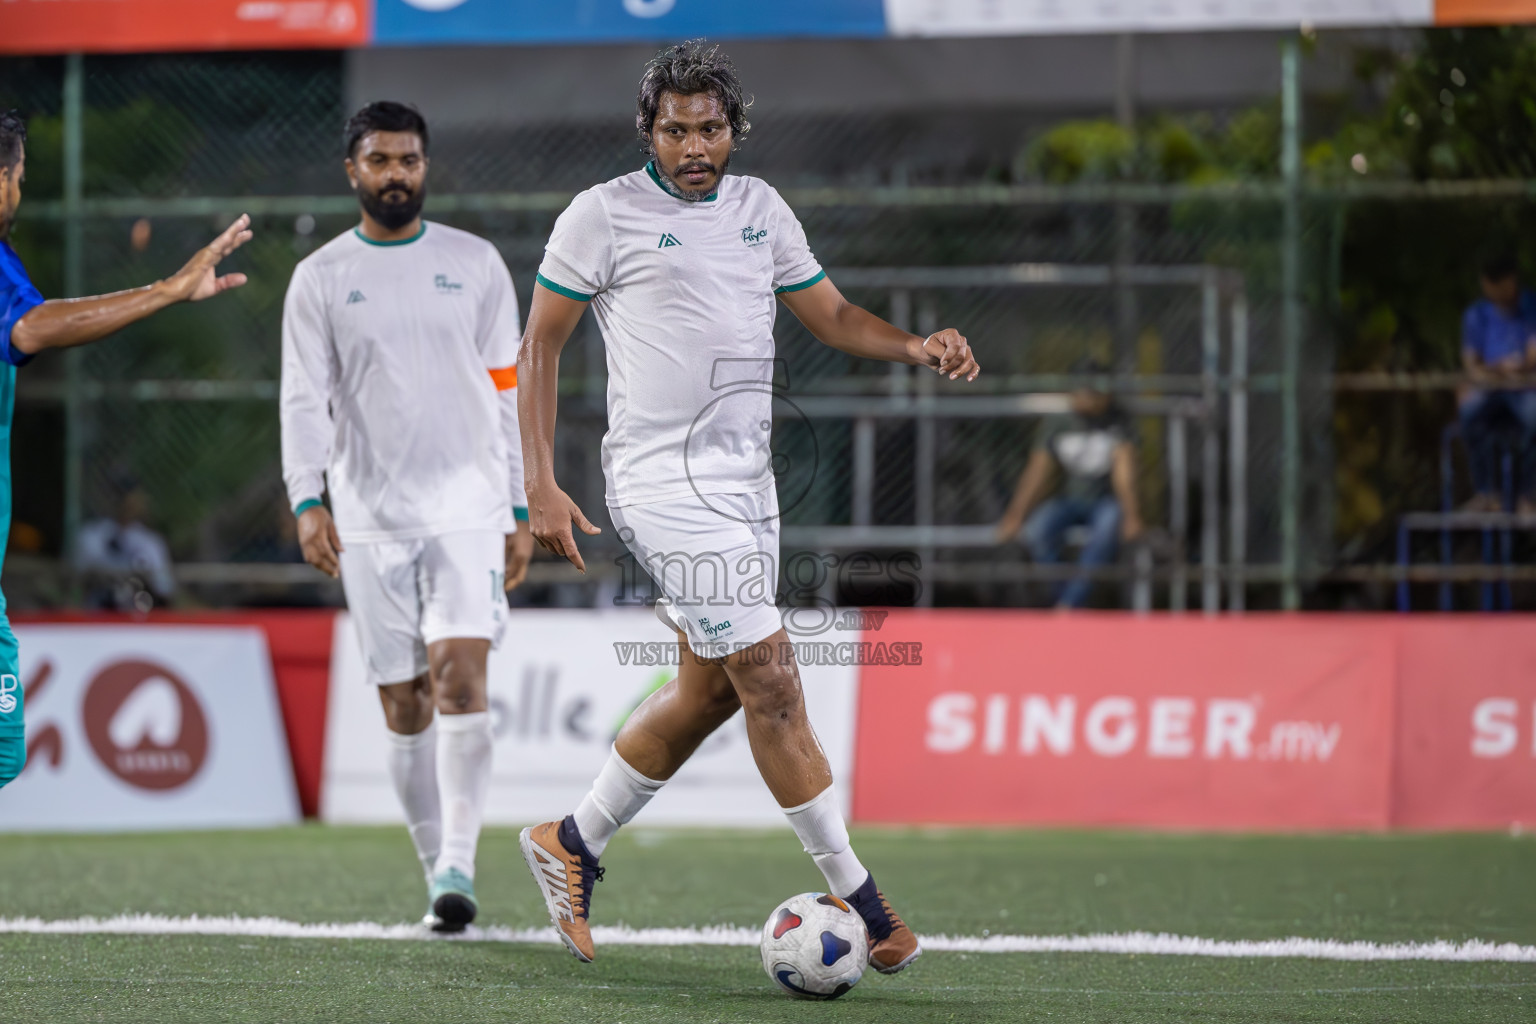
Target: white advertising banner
561,684
1042,17
149,727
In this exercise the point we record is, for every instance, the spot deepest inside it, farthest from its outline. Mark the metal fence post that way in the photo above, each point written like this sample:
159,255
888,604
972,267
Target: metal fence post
924,459
1290,326
1178,509
1210,444
74,286
1237,454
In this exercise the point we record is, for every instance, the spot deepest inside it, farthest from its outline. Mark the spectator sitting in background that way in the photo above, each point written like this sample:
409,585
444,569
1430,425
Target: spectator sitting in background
127,564
1092,448
1498,347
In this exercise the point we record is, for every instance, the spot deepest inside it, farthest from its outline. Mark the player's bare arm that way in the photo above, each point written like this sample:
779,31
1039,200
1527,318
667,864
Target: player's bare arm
1032,485
551,319
63,323
838,323
1123,479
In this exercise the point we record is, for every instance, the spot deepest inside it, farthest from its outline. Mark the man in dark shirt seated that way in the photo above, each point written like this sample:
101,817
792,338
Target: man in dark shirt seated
1498,347
1092,448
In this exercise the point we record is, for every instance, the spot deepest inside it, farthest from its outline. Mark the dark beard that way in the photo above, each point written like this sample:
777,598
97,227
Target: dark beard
673,188
392,216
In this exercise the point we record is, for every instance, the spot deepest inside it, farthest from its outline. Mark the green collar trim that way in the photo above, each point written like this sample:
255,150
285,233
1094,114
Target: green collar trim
399,241
671,189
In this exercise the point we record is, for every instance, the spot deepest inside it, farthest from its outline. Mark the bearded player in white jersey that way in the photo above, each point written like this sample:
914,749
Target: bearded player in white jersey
399,391
682,264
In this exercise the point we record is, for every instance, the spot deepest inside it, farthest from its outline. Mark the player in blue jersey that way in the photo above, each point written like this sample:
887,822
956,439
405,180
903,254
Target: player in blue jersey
28,325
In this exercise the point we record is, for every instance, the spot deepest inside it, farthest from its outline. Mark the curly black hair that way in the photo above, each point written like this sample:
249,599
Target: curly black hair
13,134
384,116
687,69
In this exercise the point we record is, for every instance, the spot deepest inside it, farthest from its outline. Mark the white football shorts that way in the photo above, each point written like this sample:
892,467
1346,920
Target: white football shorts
407,594
715,559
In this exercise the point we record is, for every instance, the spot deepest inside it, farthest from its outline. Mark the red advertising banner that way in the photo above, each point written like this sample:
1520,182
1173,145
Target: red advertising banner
1466,751
1484,12
299,642
107,26
1110,720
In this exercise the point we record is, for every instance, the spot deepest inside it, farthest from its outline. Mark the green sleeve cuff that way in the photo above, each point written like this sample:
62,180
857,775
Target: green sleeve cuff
305,506
560,289
802,285
520,513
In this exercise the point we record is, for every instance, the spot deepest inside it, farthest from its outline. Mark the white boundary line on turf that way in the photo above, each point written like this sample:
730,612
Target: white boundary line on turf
1139,943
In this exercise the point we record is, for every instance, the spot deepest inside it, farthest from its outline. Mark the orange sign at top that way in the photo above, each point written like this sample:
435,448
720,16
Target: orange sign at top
107,26
1484,12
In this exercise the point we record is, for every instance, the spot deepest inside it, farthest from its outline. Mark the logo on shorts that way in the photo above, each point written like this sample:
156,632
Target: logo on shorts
8,687
715,630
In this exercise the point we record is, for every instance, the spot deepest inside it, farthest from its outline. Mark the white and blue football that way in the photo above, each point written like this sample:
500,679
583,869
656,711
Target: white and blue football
815,946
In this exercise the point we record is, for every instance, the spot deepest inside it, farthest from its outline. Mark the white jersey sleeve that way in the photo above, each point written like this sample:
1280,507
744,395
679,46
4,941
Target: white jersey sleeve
308,375
499,337
794,266
579,260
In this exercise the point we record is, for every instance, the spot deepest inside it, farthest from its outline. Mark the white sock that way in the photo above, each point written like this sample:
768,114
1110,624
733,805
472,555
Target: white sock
819,824
616,796
463,778
413,768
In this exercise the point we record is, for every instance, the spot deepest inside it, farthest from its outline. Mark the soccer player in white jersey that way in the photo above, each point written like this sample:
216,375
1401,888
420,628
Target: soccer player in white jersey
399,391
682,265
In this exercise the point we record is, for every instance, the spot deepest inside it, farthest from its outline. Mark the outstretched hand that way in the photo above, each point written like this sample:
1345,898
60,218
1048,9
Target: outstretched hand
955,359
197,280
550,516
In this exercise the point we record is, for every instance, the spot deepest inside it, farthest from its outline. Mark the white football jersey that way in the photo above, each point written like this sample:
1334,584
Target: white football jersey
684,295
398,389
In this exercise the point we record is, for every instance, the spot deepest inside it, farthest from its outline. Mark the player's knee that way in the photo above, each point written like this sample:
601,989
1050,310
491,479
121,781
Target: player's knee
458,684
408,716
716,694
407,707
771,693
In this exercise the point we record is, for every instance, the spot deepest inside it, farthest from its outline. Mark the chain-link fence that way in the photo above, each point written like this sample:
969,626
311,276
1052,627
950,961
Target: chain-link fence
184,405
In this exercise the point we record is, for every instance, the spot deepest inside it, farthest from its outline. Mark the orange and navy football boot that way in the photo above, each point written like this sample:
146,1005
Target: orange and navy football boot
892,945
566,873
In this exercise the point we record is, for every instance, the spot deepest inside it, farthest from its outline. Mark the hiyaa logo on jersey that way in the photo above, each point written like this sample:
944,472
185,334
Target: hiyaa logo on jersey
752,237
9,687
447,287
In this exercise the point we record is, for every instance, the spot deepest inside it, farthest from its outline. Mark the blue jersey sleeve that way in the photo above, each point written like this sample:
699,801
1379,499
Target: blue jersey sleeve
18,297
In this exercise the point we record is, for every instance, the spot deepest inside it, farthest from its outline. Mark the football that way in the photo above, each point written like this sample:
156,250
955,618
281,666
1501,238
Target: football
815,946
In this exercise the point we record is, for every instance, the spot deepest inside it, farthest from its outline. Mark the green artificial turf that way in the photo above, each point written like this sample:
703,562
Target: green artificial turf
1380,888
